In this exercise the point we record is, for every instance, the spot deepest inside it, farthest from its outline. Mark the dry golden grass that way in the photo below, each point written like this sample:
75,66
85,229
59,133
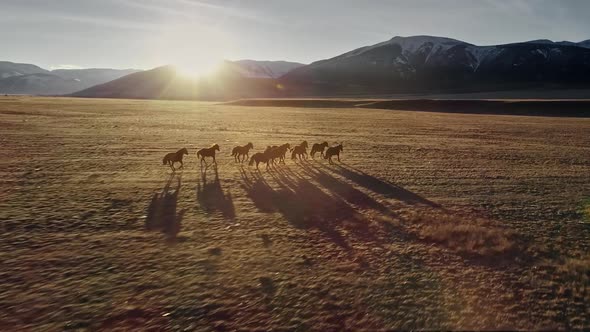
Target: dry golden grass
402,234
465,235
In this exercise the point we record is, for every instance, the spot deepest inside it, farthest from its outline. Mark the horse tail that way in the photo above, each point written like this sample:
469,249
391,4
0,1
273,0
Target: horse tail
199,153
234,151
165,160
326,155
293,154
251,161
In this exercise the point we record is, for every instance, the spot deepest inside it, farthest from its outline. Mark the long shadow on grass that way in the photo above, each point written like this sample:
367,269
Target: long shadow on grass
161,213
385,188
306,206
211,197
344,190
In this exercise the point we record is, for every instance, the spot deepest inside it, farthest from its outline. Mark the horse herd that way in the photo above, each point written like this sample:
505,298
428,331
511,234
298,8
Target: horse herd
270,156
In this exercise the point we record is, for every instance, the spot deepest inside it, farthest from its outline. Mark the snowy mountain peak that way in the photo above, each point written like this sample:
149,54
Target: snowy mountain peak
411,44
585,43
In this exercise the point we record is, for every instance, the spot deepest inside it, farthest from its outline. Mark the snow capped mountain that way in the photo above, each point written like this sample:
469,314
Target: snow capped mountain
410,45
585,43
423,62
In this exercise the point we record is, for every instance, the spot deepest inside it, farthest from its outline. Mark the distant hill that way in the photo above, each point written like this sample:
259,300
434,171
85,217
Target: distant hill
22,78
165,83
427,63
37,84
92,76
9,69
262,69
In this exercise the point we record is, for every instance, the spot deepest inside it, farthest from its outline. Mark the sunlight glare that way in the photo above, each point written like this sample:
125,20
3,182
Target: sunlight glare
198,68
194,50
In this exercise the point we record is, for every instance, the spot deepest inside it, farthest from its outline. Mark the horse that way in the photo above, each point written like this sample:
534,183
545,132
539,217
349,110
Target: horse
242,151
173,157
208,152
260,157
318,148
333,151
282,151
277,152
299,150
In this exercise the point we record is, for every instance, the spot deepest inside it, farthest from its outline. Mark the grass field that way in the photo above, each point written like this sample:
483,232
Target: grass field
431,220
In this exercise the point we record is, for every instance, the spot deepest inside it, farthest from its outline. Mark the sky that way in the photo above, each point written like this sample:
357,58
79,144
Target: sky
144,34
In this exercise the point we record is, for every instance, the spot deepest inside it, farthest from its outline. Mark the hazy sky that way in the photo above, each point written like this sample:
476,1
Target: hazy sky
148,33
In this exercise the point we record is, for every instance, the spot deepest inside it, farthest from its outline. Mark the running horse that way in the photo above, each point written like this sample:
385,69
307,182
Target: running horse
208,152
173,157
299,151
241,151
333,151
318,148
261,157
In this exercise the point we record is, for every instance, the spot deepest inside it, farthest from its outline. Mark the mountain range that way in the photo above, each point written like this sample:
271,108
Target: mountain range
22,78
417,64
426,63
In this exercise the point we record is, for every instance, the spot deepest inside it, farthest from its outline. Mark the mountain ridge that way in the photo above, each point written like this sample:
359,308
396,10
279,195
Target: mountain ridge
426,63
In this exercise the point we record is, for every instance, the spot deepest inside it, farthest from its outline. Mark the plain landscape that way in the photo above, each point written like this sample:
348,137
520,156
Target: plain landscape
432,220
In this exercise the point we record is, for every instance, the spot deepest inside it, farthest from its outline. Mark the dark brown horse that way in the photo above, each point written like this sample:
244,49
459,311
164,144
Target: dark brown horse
242,151
277,153
333,151
318,148
208,152
173,157
261,157
299,151
282,151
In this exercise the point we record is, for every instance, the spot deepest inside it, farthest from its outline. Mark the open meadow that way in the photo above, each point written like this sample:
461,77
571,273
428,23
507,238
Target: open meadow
430,220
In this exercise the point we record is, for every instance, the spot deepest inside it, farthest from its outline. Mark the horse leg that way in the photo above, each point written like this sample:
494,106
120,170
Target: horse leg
338,156
214,161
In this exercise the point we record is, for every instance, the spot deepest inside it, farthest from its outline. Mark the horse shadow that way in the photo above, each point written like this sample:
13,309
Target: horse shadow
344,190
306,206
381,187
211,197
161,213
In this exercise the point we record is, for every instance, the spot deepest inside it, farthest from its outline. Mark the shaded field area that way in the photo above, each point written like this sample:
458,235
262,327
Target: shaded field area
431,220
557,108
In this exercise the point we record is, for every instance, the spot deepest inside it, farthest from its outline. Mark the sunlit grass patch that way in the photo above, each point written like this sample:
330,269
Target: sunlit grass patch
575,276
586,209
472,236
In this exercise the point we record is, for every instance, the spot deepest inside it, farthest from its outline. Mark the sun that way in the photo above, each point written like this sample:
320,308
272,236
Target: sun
194,49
